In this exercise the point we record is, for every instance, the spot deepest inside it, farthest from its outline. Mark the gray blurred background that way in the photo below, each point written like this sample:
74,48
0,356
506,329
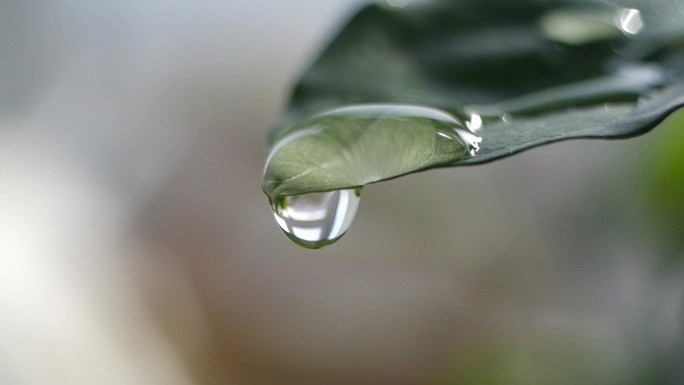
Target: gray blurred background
136,246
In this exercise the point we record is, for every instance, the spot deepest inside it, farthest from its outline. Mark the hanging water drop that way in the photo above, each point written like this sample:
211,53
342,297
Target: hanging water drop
341,150
317,219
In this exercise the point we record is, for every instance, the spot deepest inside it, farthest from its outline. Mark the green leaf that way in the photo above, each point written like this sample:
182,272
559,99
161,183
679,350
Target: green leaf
518,73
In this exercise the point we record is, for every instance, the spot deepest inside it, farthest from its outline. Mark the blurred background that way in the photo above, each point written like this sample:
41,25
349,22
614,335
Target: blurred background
136,246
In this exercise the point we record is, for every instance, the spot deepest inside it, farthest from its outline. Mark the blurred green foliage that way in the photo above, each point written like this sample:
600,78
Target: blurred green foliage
662,171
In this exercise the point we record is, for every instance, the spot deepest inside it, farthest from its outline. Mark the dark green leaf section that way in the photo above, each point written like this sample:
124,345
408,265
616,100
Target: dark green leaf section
534,72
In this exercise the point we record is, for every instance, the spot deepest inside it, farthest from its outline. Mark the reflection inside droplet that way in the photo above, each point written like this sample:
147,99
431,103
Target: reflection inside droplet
317,219
629,21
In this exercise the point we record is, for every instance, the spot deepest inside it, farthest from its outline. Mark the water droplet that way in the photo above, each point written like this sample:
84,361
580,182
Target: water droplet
317,219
